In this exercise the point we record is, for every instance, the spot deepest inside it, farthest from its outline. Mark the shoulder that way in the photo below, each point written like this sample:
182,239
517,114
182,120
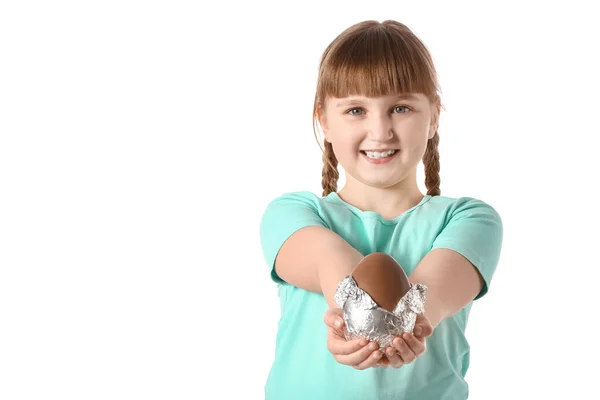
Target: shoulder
461,207
473,228
284,215
301,197
299,207
303,200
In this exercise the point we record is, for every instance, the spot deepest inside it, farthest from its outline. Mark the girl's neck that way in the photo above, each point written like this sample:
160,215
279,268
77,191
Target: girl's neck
389,202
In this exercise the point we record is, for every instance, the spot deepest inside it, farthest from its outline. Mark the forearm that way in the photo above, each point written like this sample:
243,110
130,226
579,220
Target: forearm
435,310
342,262
452,283
316,259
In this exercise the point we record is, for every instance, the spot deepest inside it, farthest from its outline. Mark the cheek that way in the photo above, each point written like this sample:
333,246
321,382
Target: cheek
415,136
346,150
417,149
346,141
414,145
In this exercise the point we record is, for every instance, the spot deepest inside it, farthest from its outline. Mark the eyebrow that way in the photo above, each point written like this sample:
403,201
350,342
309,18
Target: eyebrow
357,101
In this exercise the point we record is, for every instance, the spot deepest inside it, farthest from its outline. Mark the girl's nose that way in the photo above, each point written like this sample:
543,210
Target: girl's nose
381,130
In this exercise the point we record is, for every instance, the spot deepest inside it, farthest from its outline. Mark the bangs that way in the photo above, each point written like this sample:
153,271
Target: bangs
376,62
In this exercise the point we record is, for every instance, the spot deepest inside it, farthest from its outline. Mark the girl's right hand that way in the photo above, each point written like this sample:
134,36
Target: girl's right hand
358,353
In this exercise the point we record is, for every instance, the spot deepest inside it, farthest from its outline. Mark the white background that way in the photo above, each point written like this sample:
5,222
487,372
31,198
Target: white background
141,141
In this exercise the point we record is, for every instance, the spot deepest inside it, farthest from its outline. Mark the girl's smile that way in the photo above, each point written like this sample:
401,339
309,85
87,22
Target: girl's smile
379,157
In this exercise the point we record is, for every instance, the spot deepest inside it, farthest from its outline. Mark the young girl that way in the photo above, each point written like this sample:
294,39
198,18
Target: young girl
378,106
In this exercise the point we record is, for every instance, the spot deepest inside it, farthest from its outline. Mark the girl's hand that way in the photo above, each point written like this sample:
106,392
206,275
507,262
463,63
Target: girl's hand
358,353
408,347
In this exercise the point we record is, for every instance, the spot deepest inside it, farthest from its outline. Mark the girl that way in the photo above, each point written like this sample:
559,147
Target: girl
378,106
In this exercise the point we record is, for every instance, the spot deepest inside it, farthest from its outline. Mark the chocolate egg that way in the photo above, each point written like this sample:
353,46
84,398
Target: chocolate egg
380,275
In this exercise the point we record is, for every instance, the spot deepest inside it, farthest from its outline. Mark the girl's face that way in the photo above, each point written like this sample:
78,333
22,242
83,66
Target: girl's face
357,126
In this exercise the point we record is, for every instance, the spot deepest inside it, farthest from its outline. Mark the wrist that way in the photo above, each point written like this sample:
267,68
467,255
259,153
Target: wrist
434,310
330,276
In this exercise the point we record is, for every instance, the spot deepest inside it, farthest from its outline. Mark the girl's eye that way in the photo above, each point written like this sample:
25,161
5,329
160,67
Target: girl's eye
397,107
351,111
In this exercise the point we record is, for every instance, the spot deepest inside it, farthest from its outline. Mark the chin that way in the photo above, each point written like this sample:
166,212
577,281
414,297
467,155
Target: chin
382,181
379,183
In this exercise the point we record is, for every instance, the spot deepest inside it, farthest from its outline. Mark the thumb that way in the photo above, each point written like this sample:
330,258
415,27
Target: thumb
423,328
418,331
334,319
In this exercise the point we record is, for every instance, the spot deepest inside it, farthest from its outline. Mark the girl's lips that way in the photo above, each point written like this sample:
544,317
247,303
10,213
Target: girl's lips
380,160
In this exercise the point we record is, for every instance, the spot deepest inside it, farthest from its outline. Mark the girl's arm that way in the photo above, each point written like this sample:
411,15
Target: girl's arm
316,259
452,282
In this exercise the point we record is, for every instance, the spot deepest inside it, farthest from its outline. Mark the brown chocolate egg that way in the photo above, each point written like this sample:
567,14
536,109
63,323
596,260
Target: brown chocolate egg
380,275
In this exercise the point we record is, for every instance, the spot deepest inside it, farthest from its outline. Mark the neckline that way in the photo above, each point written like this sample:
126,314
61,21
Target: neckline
373,214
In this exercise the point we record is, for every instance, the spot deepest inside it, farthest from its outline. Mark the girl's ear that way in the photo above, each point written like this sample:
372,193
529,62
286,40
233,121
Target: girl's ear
323,123
435,120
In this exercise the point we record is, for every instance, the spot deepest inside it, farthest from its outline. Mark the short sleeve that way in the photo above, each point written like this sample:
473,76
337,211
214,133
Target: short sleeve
284,216
474,229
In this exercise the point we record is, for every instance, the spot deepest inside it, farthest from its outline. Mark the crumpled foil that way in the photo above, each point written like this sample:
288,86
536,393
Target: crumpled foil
364,318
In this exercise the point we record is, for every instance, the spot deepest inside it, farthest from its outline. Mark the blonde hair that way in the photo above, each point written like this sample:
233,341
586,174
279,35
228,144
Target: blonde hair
377,59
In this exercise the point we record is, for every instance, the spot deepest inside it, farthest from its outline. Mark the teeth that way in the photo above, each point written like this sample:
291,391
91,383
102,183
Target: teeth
374,154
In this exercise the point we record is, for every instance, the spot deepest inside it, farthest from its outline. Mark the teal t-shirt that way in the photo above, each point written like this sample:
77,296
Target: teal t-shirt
303,368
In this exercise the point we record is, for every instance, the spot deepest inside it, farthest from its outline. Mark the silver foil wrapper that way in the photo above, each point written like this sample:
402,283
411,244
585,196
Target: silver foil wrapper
364,318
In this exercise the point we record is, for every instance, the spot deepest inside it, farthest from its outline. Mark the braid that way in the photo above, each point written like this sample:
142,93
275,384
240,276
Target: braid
431,161
330,171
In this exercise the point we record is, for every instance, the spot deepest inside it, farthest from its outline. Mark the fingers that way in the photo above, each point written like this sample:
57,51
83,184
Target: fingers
339,346
336,341
407,355
361,356
394,358
359,353
409,347
383,362
415,344
370,361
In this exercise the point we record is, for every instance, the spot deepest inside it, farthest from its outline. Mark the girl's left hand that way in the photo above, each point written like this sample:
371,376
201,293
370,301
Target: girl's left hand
408,347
